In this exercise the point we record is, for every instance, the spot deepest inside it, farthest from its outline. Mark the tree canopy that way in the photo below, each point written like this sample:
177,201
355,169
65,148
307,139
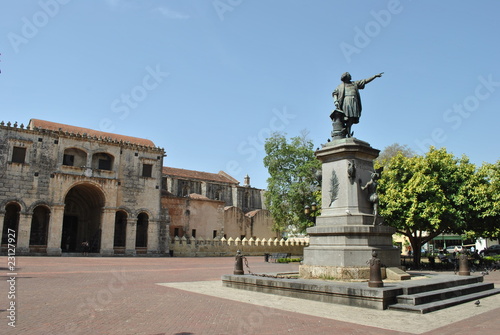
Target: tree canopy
293,182
486,202
435,193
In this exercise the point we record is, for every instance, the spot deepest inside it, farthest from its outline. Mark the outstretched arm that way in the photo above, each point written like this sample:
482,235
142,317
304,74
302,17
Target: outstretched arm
367,184
375,76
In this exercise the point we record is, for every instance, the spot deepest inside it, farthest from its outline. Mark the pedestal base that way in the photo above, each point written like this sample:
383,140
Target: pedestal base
346,273
351,246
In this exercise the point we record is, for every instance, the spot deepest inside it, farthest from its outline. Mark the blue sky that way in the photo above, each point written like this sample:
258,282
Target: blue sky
209,80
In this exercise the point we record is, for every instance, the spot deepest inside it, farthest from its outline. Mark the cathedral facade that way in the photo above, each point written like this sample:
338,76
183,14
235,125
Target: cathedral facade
66,188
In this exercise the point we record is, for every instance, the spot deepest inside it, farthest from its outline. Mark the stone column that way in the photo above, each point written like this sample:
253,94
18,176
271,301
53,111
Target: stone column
131,236
2,218
204,188
170,185
23,234
153,236
263,199
234,191
107,231
55,231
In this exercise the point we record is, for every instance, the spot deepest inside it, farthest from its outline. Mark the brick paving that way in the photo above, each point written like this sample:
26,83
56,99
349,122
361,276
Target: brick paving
97,295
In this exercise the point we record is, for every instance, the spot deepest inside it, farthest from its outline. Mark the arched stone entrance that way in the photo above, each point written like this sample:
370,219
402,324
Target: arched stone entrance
141,239
120,237
10,223
82,218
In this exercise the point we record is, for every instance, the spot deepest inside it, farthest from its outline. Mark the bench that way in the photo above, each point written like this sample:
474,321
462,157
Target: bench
273,258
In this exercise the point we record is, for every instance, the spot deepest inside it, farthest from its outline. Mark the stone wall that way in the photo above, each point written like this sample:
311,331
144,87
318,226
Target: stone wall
252,224
215,186
82,181
194,214
182,247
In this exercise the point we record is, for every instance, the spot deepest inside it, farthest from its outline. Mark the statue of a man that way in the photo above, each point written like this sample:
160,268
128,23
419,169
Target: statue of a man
348,102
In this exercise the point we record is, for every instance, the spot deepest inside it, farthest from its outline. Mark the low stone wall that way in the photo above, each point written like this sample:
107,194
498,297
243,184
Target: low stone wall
182,247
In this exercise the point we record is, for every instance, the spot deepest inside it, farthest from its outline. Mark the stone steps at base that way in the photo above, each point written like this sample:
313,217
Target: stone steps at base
450,282
436,305
442,294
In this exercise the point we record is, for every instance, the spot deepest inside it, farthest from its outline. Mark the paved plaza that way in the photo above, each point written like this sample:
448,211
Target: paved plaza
99,295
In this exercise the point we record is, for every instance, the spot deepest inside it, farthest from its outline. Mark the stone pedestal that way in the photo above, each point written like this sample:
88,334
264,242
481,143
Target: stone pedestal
347,232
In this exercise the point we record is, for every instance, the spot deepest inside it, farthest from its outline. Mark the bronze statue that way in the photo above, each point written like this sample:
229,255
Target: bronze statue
347,104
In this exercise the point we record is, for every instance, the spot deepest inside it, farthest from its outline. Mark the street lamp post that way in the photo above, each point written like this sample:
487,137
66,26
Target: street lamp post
309,211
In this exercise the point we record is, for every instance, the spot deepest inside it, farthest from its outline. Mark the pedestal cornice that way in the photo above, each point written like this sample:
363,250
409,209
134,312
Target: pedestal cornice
347,148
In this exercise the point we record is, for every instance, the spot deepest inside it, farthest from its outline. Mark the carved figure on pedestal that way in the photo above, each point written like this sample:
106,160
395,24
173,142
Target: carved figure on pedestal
347,104
351,170
334,188
372,190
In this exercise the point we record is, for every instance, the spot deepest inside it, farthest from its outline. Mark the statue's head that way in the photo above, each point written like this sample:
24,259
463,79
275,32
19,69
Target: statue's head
346,77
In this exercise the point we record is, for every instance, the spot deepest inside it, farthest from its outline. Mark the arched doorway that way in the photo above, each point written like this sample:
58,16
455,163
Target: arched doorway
39,229
82,218
11,222
141,240
120,232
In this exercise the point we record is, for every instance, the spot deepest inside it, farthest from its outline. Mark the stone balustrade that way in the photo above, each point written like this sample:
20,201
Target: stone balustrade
199,247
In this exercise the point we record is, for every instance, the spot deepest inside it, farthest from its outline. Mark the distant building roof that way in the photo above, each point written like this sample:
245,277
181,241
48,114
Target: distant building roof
253,213
220,177
197,196
35,123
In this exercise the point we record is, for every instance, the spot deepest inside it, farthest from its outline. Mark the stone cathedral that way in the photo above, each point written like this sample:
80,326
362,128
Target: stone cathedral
63,186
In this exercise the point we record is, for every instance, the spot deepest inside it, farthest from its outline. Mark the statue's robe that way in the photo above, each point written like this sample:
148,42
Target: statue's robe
350,103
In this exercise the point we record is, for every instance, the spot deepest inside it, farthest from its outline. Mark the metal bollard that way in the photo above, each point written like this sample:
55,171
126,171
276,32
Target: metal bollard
463,265
375,272
238,265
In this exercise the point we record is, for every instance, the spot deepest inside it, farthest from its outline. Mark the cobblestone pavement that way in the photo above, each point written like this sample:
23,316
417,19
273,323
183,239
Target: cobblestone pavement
97,295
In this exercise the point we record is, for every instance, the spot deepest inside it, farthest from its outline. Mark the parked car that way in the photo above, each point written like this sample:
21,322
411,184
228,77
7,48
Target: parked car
451,249
492,250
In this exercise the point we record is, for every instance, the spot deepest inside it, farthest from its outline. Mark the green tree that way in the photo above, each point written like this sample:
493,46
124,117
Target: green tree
486,202
430,193
293,182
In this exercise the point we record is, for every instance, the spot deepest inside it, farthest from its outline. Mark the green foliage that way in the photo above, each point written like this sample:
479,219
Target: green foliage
431,193
486,202
492,259
292,184
289,260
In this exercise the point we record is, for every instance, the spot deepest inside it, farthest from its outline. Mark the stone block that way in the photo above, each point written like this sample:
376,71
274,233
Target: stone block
394,273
